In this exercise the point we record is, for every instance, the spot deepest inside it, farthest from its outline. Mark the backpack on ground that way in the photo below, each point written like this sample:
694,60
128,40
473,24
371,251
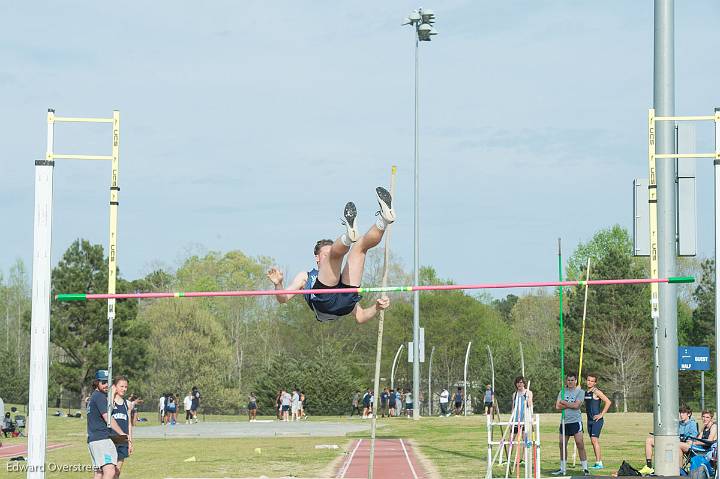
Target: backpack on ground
627,470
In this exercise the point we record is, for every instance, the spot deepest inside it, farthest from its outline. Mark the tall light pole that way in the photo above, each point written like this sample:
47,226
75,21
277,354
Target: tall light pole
422,21
665,418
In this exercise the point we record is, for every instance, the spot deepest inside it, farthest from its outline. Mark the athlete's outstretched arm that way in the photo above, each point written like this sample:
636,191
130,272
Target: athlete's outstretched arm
276,276
363,315
606,405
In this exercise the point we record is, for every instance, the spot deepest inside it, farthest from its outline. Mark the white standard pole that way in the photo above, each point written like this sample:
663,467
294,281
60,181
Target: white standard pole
488,421
392,371
537,446
465,392
430,382
717,256
40,319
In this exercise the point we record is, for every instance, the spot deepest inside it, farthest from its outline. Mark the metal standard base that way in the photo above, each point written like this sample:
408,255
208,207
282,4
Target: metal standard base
667,448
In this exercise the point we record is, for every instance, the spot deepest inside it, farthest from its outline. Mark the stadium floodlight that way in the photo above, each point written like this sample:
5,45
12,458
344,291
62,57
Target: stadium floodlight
422,20
428,16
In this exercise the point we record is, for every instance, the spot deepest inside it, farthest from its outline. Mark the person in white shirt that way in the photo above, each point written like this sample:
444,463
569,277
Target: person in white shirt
295,406
285,401
408,404
161,407
187,405
444,399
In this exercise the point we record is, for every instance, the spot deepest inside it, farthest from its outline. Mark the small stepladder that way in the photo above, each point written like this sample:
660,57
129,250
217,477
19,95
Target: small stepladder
523,440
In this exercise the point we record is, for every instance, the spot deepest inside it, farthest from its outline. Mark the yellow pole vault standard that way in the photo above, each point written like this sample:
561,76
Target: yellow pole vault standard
114,158
654,268
582,342
582,334
112,249
381,320
652,199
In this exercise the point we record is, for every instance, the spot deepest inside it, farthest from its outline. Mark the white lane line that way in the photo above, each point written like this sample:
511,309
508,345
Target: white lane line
346,466
412,469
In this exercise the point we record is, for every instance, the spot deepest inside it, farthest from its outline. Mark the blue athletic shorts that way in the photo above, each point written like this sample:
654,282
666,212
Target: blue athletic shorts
122,451
571,428
594,427
338,304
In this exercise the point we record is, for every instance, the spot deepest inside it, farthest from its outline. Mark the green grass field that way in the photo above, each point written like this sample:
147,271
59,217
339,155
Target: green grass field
456,446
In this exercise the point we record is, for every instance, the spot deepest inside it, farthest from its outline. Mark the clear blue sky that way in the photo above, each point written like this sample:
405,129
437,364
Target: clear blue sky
247,125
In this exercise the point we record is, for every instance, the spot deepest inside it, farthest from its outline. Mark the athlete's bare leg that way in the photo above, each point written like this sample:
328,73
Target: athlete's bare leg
330,258
353,272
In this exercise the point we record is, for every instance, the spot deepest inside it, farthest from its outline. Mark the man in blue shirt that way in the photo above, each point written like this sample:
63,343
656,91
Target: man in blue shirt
687,429
330,272
102,449
384,402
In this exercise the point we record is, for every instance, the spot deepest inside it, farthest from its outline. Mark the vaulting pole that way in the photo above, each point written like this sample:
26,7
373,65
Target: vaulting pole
562,354
378,354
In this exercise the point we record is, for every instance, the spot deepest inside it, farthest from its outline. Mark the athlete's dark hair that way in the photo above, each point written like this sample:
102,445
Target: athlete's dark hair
686,409
519,379
592,375
320,244
570,375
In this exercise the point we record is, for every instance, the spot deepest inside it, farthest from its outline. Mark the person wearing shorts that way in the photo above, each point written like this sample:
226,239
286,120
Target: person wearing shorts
384,402
102,450
488,400
687,429
301,406
569,401
595,417
278,405
252,407
409,404
522,400
391,402
458,399
122,412
285,399
330,273
366,404
195,403
295,405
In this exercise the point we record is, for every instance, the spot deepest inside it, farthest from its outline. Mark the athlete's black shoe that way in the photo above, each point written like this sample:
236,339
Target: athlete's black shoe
385,202
350,213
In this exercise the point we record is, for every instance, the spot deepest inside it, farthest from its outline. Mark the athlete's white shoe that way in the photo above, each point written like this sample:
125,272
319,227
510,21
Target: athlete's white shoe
385,201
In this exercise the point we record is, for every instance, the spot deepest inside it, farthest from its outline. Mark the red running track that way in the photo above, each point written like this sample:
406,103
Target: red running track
394,459
21,449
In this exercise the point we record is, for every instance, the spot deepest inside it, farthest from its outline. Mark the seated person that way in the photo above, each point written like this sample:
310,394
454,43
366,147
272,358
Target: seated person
687,429
708,433
8,426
